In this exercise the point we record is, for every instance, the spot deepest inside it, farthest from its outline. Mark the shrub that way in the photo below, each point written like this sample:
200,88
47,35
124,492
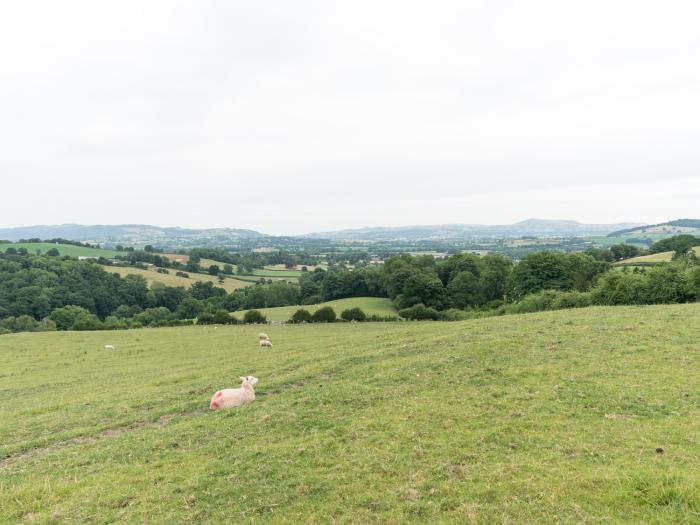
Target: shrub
535,302
223,317
454,314
205,318
420,312
353,314
254,317
324,315
301,316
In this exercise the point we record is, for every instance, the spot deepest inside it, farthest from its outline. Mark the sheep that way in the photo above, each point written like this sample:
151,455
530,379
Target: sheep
109,347
263,336
265,342
234,397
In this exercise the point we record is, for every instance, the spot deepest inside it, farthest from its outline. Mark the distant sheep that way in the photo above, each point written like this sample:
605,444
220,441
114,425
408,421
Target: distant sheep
109,347
263,336
265,342
234,397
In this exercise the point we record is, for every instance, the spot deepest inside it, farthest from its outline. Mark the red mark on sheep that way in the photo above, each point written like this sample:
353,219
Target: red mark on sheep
214,405
219,394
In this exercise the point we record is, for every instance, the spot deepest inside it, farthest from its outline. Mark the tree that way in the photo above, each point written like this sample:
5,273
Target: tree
420,312
53,252
214,269
324,315
353,314
148,248
465,290
301,316
228,269
254,317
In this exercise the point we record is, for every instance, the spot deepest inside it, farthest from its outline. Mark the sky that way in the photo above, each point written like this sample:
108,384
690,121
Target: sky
292,117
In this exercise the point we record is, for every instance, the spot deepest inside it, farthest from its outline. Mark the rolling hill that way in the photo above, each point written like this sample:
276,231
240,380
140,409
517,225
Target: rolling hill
171,279
379,306
583,416
530,227
63,249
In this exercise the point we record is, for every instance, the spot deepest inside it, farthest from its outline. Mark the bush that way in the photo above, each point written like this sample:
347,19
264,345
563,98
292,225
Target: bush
454,314
205,318
420,312
301,316
254,317
324,315
223,317
353,314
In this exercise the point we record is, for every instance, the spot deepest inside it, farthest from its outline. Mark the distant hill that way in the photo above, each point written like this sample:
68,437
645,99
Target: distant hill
529,227
133,234
676,227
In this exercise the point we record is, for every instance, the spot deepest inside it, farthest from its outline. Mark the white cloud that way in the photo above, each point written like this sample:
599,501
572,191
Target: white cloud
288,117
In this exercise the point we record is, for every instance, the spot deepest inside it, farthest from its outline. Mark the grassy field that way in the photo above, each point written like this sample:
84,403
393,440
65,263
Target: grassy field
63,249
653,258
173,280
542,418
268,272
370,305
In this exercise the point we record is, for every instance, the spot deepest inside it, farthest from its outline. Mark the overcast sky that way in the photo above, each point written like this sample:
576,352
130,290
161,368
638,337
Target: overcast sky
290,117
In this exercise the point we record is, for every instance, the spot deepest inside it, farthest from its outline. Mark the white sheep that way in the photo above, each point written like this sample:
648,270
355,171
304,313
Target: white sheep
109,347
262,336
234,397
265,342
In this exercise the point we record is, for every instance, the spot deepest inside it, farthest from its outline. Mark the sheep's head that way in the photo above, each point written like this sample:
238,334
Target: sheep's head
249,379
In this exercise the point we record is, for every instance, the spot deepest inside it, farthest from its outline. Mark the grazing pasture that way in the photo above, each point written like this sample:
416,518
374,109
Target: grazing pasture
653,258
577,416
171,279
63,249
370,305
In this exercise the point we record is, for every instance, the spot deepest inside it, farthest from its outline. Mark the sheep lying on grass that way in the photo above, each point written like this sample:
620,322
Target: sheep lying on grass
234,397
262,336
109,347
265,342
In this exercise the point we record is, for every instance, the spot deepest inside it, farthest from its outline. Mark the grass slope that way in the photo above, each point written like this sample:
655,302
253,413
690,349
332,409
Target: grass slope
653,258
173,280
63,249
370,305
541,418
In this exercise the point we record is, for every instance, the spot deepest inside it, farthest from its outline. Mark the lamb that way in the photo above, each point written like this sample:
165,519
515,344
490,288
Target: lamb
265,342
109,347
234,397
262,336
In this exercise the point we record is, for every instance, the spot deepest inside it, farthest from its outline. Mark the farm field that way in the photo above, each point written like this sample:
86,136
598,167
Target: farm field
63,249
268,273
542,418
653,258
173,280
370,305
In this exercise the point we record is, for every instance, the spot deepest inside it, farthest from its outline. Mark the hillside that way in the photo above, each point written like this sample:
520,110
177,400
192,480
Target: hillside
370,305
669,228
543,418
530,227
653,258
63,249
133,234
173,280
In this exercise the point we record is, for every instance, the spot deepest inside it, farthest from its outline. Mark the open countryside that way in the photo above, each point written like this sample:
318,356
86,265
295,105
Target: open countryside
369,423
170,279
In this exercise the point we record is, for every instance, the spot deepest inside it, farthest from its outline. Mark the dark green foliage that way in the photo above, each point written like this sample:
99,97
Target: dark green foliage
324,315
679,244
353,314
420,312
254,317
223,317
301,316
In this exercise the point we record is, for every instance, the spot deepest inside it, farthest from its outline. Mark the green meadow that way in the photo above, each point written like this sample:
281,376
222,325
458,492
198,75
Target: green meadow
63,249
577,416
653,258
379,306
170,279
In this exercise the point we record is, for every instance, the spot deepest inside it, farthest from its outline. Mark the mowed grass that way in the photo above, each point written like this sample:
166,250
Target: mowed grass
542,418
370,305
173,280
63,249
653,258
